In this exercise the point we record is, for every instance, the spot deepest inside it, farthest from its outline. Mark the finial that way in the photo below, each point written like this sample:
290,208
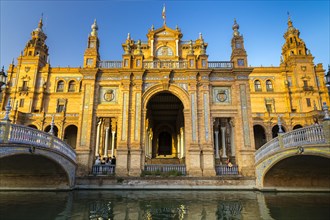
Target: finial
200,36
235,28
8,108
152,27
176,27
94,28
289,21
279,123
164,14
40,21
51,131
191,50
128,36
326,112
13,61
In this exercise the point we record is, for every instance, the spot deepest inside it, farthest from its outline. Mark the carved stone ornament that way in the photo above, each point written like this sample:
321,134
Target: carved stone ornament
109,95
27,69
222,96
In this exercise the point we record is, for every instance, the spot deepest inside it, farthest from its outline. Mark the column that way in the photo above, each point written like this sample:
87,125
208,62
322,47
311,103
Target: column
232,141
146,141
223,137
182,142
113,132
216,132
150,142
98,138
177,47
178,145
152,48
112,142
106,142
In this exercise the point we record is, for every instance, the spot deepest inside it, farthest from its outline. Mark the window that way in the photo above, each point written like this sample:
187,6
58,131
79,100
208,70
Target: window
60,86
257,86
305,83
25,86
269,86
240,62
269,108
21,103
191,63
308,102
60,108
138,63
89,62
72,86
204,63
126,63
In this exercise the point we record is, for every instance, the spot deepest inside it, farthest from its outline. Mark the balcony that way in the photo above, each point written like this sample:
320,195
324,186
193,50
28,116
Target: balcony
165,64
308,88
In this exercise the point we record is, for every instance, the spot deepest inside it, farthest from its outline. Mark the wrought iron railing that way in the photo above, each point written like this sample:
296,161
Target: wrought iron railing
303,136
103,169
226,170
19,134
164,168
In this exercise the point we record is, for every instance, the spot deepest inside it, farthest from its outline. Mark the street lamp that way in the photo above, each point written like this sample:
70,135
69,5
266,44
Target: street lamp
3,79
327,79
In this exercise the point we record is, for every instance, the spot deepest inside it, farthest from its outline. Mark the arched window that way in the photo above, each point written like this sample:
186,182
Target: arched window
269,86
60,86
257,86
72,86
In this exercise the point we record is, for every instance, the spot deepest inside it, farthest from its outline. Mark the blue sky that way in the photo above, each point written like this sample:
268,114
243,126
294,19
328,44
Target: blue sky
67,25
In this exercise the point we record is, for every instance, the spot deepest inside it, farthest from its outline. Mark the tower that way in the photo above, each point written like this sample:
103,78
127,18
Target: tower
91,56
28,78
238,54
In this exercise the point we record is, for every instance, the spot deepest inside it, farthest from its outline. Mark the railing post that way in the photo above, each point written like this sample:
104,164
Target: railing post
280,140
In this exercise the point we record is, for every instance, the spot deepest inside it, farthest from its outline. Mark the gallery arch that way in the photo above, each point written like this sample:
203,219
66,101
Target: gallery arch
164,136
106,135
259,136
70,135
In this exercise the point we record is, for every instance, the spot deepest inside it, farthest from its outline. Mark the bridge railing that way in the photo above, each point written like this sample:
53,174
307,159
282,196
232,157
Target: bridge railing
303,136
19,134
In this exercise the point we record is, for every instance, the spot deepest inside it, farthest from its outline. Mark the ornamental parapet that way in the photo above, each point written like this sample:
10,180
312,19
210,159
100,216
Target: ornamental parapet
170,64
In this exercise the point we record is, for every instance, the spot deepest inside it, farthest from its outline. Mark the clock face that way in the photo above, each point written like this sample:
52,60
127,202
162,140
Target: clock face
238,45
91,44
240,62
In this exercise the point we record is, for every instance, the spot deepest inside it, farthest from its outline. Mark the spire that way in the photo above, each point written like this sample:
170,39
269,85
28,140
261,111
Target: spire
235,28
40,24
94,28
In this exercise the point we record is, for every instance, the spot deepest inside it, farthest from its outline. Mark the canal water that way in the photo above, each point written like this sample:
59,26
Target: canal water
201,205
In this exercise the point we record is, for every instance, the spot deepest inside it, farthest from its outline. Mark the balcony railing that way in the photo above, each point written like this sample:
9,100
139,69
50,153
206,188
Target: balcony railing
220,65
109,64
160,64
226,170
308,88
164,168
103,169
170,64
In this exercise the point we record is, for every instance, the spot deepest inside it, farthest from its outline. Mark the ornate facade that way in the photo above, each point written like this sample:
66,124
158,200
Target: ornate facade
165,102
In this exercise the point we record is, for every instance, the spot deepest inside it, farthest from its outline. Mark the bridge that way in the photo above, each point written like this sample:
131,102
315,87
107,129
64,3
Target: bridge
300,158
43,159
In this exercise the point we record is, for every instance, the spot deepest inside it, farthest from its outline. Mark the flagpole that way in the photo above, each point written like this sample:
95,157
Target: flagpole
164,14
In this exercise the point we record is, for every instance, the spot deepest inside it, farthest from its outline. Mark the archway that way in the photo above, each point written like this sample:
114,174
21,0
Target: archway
275,130
33,126
55,129
164,127
259,136
297,127
299,171
70,135
32,171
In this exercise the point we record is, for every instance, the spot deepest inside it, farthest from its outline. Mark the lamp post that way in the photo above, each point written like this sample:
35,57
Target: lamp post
327,79
3,78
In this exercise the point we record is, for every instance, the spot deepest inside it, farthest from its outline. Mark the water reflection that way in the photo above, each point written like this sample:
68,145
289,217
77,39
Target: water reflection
201,205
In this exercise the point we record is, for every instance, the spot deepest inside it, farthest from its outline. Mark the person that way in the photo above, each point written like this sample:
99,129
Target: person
97,161
103,161
113,161
229,164
316,121
108,161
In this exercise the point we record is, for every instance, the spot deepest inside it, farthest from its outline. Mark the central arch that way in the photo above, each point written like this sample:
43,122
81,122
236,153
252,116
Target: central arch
164,116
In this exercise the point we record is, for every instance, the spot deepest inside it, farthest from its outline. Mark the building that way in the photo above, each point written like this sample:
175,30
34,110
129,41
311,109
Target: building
165,102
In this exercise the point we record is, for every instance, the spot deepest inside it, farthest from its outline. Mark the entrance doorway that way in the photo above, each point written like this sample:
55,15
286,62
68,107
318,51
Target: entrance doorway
164,127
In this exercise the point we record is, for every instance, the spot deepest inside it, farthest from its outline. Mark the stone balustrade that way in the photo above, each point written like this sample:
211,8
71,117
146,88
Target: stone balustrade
169,64
304,136
103,169
226,170
110,64
18,134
